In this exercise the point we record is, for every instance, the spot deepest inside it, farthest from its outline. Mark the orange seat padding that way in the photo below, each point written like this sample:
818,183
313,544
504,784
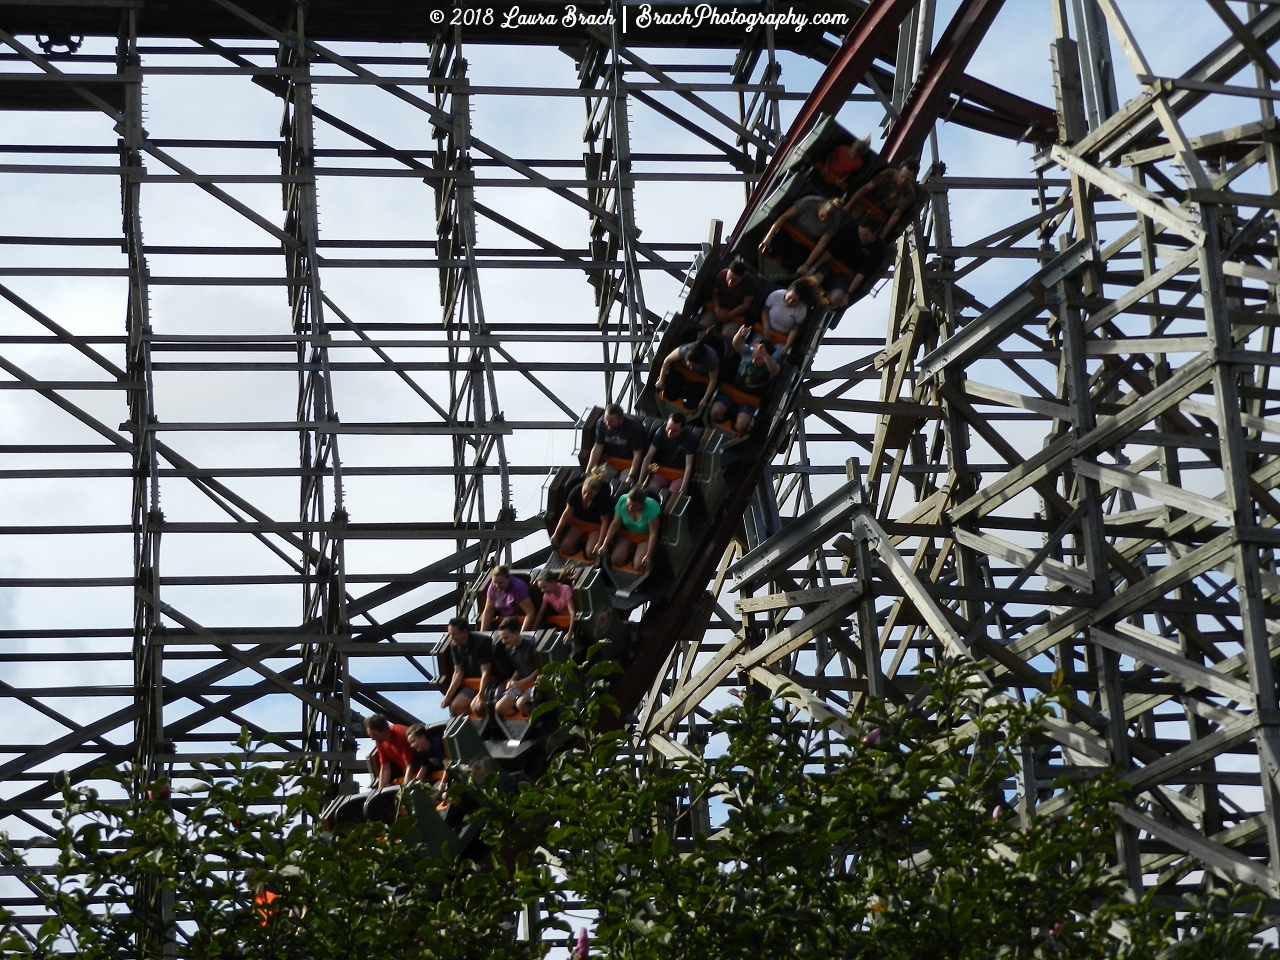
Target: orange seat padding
618,463
739,396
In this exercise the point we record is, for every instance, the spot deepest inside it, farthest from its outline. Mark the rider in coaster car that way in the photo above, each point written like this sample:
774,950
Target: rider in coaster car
671,449
392,756
814,217
888,195
588,503
505,597
755,371
557,599
472,655
733,292
636,514
700,358
860,250
429,757
785,310
619,437
516,656
842,162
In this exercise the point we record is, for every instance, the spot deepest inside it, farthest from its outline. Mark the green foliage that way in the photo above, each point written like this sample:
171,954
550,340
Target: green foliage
892,844
247,826
897,845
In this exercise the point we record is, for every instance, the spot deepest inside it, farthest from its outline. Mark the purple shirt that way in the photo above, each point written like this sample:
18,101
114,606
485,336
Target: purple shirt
508,601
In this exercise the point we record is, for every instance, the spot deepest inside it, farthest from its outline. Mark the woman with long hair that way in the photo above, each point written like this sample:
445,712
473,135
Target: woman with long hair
785,310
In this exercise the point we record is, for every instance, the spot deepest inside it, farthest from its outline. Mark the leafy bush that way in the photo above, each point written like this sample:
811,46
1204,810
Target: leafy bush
896,843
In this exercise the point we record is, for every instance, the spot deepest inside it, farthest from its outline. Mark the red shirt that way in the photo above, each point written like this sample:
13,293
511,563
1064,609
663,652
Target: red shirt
396,748
843,162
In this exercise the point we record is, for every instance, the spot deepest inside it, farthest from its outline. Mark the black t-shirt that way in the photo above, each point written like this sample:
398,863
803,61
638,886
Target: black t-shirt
477,652
671,452
849,250
601,508
624,441
518,661
434,757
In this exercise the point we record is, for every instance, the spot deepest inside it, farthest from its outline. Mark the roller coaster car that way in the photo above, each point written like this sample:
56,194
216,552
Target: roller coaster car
721,434
599,621
797,179
708,470
627,579
669,405
812,154
557,496
555,645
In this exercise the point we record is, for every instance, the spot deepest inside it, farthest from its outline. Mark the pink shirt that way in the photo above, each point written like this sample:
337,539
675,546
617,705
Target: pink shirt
559,595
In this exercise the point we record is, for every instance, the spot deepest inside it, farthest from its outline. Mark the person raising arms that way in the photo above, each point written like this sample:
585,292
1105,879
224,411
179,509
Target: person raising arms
755,371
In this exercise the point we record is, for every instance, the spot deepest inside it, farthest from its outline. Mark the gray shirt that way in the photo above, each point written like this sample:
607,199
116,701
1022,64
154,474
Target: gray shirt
807,222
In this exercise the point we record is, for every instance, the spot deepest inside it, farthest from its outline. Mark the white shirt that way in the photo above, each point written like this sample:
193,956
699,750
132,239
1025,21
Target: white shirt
780,317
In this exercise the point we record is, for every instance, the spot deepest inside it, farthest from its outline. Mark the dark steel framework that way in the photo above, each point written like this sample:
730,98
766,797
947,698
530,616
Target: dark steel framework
1109,519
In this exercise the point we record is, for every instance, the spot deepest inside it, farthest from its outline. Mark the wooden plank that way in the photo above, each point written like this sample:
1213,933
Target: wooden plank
1020,556
791,691
1017,479
1190,674
1193,755
985,392
1126,191
1160,106
1249,271
1235,867
1257,52
669,748
1220,138
1186,381
1080,739
1146,345
1230,198
913,588
691,693
785,642
1156,490
1211,412
784,601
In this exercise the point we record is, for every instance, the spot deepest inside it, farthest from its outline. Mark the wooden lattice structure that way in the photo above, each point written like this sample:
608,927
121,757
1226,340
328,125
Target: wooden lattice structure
1058,461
